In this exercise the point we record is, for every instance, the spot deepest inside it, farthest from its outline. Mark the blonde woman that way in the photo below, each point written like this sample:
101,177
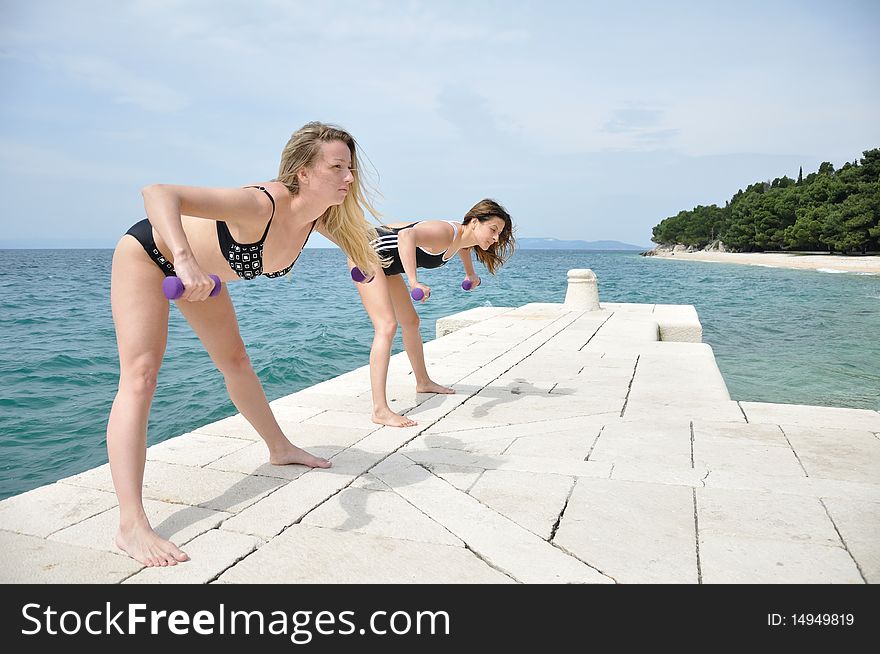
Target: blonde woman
233,233
486,229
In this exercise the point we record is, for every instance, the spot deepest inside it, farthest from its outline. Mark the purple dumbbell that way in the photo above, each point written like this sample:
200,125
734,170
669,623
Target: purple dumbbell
417,294
467,284
359,277
173,287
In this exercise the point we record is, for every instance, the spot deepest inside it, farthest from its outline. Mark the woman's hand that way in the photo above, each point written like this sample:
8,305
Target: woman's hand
197,286
425,289
474,280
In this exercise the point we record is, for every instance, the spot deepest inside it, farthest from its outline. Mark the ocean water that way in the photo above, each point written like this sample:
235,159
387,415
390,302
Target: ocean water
790,336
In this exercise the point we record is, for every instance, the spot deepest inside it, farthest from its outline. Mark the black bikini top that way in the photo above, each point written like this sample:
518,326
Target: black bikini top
246,259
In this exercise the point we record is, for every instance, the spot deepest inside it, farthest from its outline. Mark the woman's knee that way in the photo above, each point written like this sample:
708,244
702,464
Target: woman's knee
410,322
233,361
140,376
385,329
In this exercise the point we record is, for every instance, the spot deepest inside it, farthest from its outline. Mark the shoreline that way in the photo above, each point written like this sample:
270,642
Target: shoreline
865,265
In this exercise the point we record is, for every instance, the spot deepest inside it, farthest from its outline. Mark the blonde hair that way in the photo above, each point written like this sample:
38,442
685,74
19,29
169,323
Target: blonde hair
346,222
495,256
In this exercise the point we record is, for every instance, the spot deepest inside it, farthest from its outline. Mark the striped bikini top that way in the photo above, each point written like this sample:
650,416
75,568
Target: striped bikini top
386,245
246,259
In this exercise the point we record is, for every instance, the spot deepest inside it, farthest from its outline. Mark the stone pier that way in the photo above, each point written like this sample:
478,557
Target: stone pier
587,442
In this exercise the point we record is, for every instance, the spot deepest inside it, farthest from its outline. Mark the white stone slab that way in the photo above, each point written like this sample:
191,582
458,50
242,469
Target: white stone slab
450,324
288,415
254,460
764,434
765,516
496,539
195,449
460,477
522,385
452,423
39,561
380,513
506,462
678,323
806,487
531,500
633,307
98,478
695,375
314,435
305,554
368,482
603,378
401,398
850,454
482,446
589,425
633,532
536,368
746,455
436,408
45,510
658,473
684,407
175,522
859,527
360,420
568,444
644,442
232,427
274,513
212,489
210,554
311,399
387,439
726,559
570,404
812,416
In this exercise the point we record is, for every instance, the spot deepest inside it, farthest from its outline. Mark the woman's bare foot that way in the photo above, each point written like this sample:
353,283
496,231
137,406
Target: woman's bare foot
148,548
388,417
293,454
433,387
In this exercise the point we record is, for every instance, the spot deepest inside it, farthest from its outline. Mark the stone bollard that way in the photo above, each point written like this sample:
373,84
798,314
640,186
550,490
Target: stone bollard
583,291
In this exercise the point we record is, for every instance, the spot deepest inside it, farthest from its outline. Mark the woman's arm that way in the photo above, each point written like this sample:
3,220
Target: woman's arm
433,235
407,241
165,204
465,255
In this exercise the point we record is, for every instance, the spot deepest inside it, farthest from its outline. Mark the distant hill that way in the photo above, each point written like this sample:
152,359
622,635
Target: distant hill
559,244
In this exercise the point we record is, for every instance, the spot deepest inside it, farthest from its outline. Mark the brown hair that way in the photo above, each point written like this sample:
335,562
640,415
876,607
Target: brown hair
346,222
500,252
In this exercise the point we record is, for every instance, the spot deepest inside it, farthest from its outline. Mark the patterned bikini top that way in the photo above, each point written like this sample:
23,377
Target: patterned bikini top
246,259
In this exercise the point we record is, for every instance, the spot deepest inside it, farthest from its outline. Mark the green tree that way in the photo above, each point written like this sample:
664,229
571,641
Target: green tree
829,210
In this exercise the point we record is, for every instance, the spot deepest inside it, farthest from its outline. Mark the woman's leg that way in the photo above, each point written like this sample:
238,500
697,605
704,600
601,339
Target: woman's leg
377,302
215,324
140,314
408,318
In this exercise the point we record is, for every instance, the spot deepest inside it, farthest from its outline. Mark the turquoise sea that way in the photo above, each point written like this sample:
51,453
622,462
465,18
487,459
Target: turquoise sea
790,336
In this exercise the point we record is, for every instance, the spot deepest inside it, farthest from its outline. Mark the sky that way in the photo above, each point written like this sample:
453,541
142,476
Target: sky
586,120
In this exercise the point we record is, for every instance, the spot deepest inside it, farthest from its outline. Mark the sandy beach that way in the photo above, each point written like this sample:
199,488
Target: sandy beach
838,263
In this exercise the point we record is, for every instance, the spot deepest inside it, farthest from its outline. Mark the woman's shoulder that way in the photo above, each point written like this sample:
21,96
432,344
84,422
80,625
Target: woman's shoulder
277,189
423,225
